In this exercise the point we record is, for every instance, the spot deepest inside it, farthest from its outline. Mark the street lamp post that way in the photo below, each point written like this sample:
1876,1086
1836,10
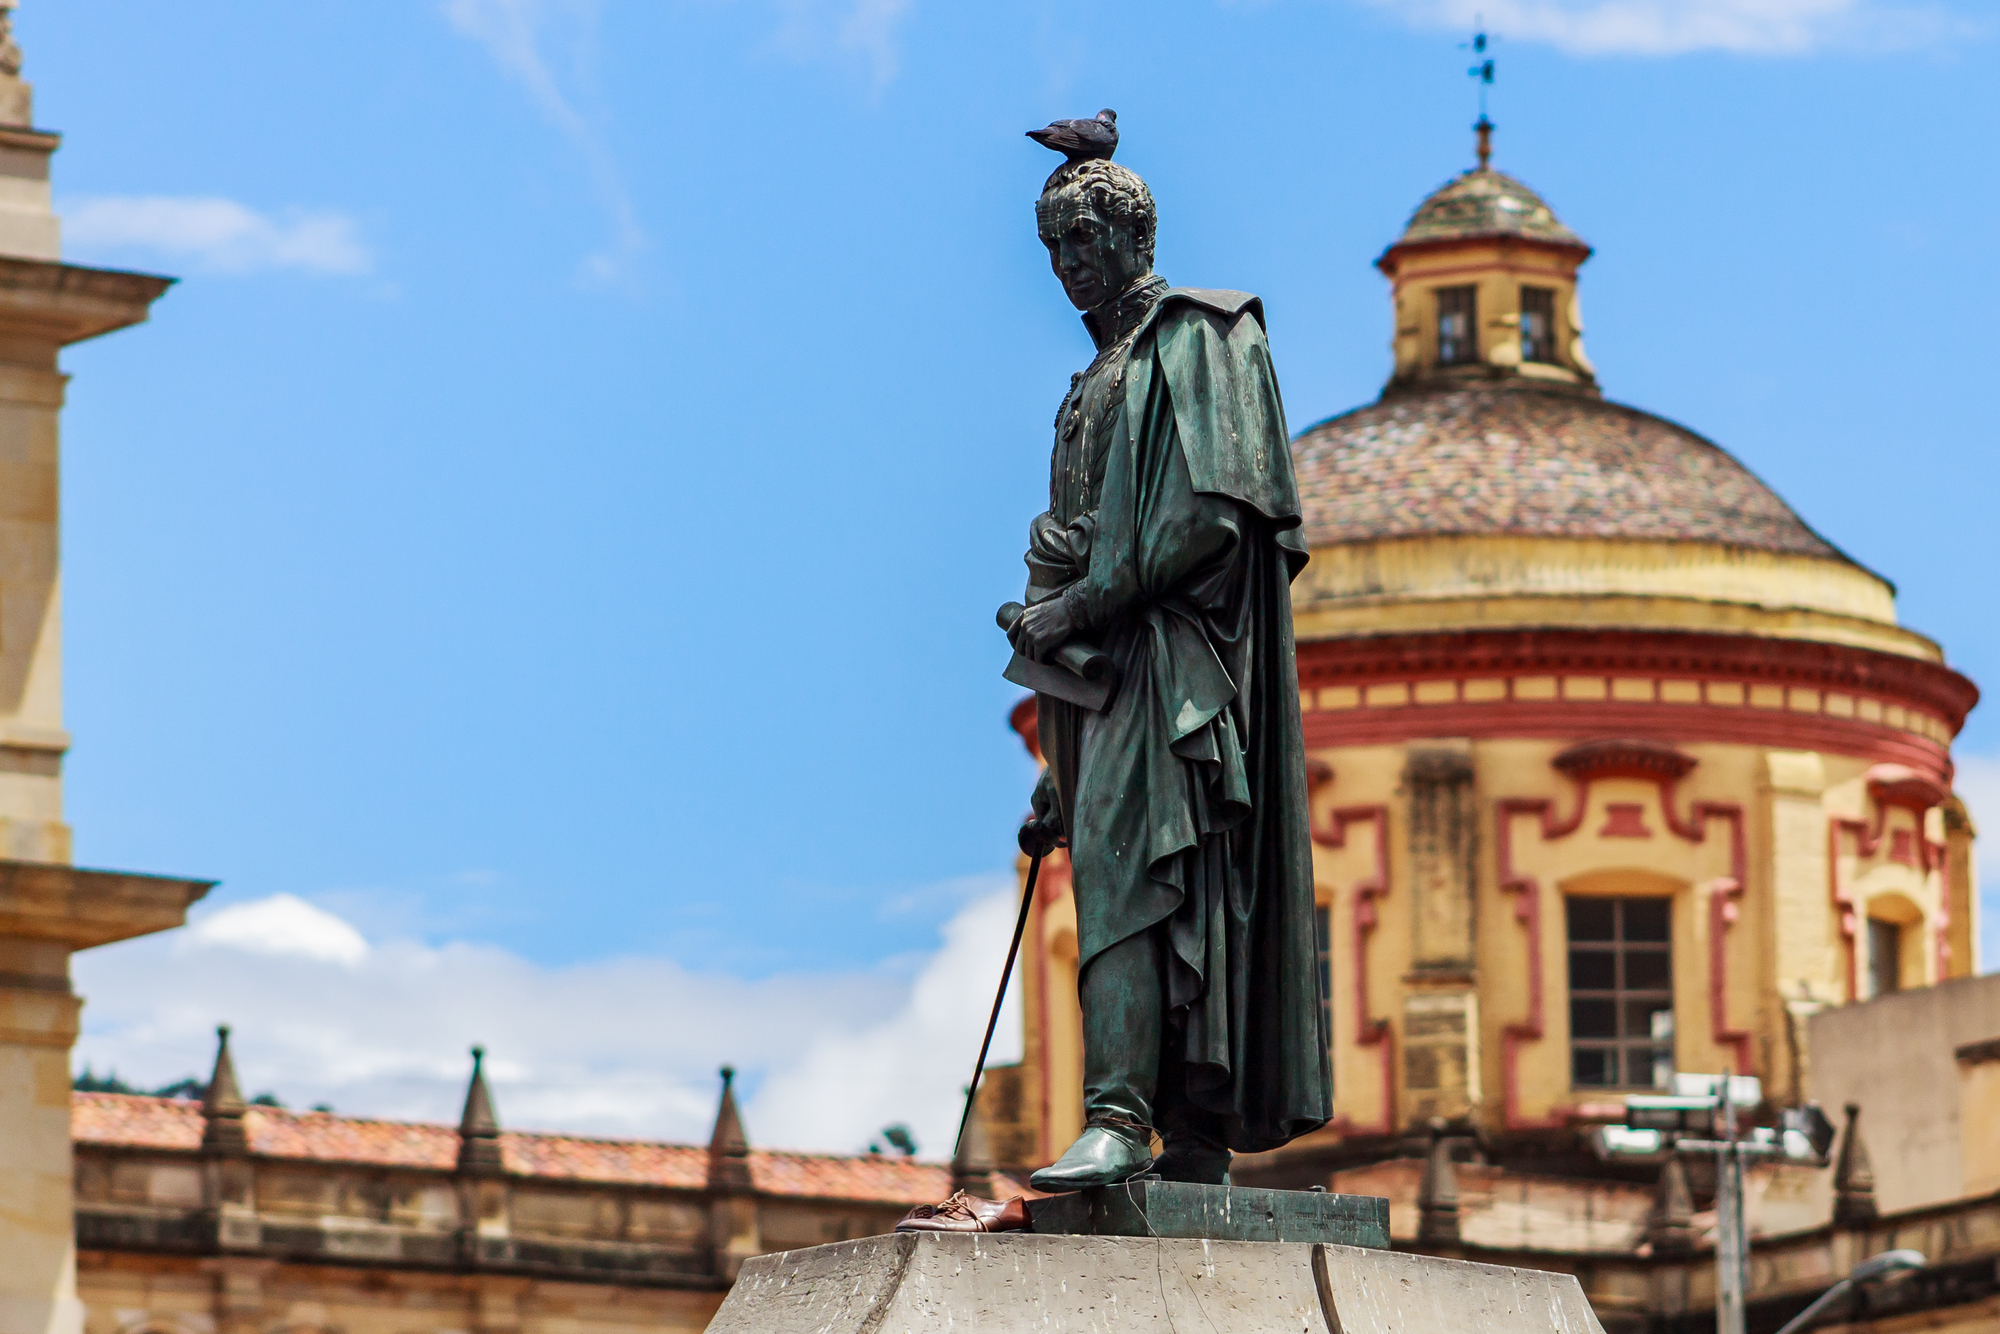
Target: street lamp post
1656,1124
1874,1267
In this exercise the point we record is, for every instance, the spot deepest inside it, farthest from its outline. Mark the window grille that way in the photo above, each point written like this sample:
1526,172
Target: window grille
1458,341
1621,992
1538,324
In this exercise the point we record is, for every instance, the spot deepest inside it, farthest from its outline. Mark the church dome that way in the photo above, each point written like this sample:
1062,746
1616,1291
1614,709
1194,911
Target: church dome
1491,487
1485,203
1491,459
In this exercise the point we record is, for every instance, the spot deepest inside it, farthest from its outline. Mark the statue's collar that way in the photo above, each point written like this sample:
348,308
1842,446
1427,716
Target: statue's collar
1126,311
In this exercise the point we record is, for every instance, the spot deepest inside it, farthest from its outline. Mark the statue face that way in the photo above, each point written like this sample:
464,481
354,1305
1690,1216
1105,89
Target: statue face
1094,257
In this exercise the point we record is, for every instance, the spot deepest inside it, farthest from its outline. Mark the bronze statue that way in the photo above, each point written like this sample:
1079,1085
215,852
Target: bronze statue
1157,635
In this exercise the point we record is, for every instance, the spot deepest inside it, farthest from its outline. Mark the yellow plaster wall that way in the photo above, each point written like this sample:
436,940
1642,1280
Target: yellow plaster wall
1785,956
1498,269
1785,932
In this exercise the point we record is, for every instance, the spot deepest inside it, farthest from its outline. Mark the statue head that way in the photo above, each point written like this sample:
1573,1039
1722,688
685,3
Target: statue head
1098,221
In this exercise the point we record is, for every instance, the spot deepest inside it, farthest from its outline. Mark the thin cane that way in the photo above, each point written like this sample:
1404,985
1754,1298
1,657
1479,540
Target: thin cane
1020,925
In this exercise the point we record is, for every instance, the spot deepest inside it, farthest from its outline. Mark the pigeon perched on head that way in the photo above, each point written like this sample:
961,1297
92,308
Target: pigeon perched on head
1081,140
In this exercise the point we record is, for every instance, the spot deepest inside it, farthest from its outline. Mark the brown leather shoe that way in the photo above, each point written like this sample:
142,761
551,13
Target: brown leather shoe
964,1213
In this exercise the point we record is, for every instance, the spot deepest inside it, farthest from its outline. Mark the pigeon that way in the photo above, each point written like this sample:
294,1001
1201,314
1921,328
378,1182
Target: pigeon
1081,140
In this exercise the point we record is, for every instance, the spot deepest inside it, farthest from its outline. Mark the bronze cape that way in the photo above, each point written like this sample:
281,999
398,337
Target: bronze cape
1173,533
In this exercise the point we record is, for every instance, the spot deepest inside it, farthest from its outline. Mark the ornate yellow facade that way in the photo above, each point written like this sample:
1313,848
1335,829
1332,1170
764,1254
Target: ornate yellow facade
1569,671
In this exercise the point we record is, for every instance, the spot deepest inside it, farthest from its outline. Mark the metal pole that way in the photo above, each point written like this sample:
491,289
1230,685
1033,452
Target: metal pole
1729,1241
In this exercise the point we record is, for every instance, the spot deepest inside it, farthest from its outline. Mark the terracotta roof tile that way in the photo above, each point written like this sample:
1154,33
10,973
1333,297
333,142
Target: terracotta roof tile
1515,460
133,1121
866,1177
348,1139
629,1162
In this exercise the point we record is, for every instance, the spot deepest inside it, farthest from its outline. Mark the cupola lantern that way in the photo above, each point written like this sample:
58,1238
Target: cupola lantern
1484,280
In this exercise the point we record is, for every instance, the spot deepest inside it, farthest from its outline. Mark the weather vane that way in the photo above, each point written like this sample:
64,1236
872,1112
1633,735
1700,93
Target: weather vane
1482,74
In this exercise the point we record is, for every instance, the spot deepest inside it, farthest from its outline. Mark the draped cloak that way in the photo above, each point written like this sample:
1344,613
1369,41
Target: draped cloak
1173,534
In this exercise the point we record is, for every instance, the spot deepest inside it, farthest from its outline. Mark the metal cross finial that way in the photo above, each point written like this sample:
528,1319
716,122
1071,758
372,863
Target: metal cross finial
1481,73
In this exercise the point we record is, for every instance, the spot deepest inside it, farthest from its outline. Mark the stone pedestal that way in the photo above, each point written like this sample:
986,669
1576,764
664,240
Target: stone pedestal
924,1283
1150,1207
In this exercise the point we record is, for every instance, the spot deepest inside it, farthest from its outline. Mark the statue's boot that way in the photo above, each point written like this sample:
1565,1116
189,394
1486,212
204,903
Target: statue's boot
1192,1154
1194,1139
1121,991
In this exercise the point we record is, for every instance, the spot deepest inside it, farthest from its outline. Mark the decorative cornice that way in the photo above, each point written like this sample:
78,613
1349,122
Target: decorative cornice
68,303
1624,759
1695,655
49,901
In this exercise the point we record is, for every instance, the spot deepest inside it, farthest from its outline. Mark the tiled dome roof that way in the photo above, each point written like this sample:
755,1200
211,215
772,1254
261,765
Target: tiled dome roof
1495,460
1483,202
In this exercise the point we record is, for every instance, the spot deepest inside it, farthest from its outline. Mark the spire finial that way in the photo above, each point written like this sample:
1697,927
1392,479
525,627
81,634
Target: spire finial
479,1127
1853,1177
1482,74
222,1106
729,1145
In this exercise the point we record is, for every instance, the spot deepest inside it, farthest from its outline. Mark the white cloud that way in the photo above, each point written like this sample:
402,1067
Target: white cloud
219,234
1676,27
1978,782
617,1047
913,1065
282,924
514,33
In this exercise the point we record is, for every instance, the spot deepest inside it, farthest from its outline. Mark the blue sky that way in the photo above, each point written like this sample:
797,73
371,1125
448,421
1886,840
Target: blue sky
563,505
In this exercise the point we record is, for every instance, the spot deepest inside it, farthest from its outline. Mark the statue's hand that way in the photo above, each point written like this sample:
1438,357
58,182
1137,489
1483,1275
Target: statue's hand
1043,627
1042,832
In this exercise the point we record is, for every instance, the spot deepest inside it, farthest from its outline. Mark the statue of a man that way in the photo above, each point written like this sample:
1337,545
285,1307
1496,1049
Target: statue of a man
1169,546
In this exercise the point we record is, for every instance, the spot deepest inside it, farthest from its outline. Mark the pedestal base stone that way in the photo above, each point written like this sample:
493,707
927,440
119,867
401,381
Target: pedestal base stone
1149,1207
1011,1283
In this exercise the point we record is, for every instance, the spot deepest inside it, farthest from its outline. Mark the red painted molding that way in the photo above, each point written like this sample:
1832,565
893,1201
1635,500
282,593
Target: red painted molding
1624,758
1682,654
1624,819
1528,912
1890,787
1369,1032
1575,252
1684,724
1586,764
1929,689
1722,913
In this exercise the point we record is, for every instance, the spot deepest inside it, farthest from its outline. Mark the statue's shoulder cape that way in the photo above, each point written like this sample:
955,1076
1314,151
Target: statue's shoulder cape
1212,349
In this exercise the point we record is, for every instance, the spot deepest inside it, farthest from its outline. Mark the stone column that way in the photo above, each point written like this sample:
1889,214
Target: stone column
1441,1007
47,912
